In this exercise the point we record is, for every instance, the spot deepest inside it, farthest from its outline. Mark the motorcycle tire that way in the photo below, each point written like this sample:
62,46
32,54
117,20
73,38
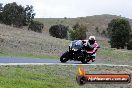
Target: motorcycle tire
64,57
84,61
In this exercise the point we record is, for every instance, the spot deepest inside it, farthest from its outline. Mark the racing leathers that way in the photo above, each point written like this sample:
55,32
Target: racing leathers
91,48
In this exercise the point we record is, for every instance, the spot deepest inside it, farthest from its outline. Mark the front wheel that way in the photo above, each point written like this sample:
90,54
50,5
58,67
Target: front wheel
64,57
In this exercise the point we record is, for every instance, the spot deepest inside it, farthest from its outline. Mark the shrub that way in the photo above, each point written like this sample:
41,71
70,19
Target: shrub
119,32
129,45
36,26
58,31
78,32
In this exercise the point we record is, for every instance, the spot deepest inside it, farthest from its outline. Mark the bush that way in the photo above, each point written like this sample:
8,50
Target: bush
78,32
58,31
129,45
130,37
36,26
119,32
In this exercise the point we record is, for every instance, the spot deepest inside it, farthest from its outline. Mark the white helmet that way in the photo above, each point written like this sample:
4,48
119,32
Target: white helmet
92,39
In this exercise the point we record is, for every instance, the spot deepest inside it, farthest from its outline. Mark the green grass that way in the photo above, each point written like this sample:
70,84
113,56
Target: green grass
105,52
34,77
114,53
29,55
53,76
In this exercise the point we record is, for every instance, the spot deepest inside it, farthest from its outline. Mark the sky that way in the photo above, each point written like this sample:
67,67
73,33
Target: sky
77,8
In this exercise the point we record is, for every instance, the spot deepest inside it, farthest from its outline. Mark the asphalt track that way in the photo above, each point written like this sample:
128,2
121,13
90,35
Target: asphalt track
11,60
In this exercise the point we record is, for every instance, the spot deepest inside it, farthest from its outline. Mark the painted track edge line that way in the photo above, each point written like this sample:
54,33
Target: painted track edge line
63,64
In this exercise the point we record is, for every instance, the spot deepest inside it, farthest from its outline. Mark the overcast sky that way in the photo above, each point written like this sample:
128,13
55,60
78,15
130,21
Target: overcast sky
77,8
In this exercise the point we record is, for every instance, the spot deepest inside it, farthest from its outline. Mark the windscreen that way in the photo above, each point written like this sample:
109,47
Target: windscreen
76,44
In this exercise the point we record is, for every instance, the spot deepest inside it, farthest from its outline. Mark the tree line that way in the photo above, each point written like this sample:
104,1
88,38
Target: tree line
19,16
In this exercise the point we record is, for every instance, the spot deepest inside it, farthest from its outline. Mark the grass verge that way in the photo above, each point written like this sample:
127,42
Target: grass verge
105,52
29,55
35,77
114,53
54,76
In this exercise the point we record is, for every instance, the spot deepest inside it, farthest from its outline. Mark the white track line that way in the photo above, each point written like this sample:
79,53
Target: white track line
63,64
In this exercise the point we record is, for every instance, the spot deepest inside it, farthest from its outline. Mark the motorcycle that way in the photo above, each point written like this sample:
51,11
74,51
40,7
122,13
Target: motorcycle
76,52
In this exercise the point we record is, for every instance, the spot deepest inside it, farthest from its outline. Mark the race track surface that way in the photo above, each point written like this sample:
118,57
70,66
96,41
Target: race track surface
11,60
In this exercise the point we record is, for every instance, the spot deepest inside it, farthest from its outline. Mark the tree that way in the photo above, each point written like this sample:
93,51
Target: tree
12,13
130,37
36,26
29,15
78,32
17,15
119,31
58,31
129,45
1,10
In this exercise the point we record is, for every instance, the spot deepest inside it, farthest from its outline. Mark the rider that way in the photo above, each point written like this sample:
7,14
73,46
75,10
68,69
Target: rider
91,46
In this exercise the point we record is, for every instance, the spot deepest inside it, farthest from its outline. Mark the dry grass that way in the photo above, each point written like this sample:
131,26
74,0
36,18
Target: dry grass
15,40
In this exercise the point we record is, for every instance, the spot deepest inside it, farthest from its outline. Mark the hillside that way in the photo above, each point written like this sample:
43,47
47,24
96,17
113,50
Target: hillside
15,40
100,21
20,40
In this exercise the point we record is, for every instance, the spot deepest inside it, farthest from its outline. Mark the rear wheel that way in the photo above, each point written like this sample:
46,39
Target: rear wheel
84,61
64,58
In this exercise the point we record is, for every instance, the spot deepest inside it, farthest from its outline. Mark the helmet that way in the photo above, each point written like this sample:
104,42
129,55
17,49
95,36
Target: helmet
92,39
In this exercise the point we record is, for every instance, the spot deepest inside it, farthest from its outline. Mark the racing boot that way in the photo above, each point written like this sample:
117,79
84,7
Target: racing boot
93,60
